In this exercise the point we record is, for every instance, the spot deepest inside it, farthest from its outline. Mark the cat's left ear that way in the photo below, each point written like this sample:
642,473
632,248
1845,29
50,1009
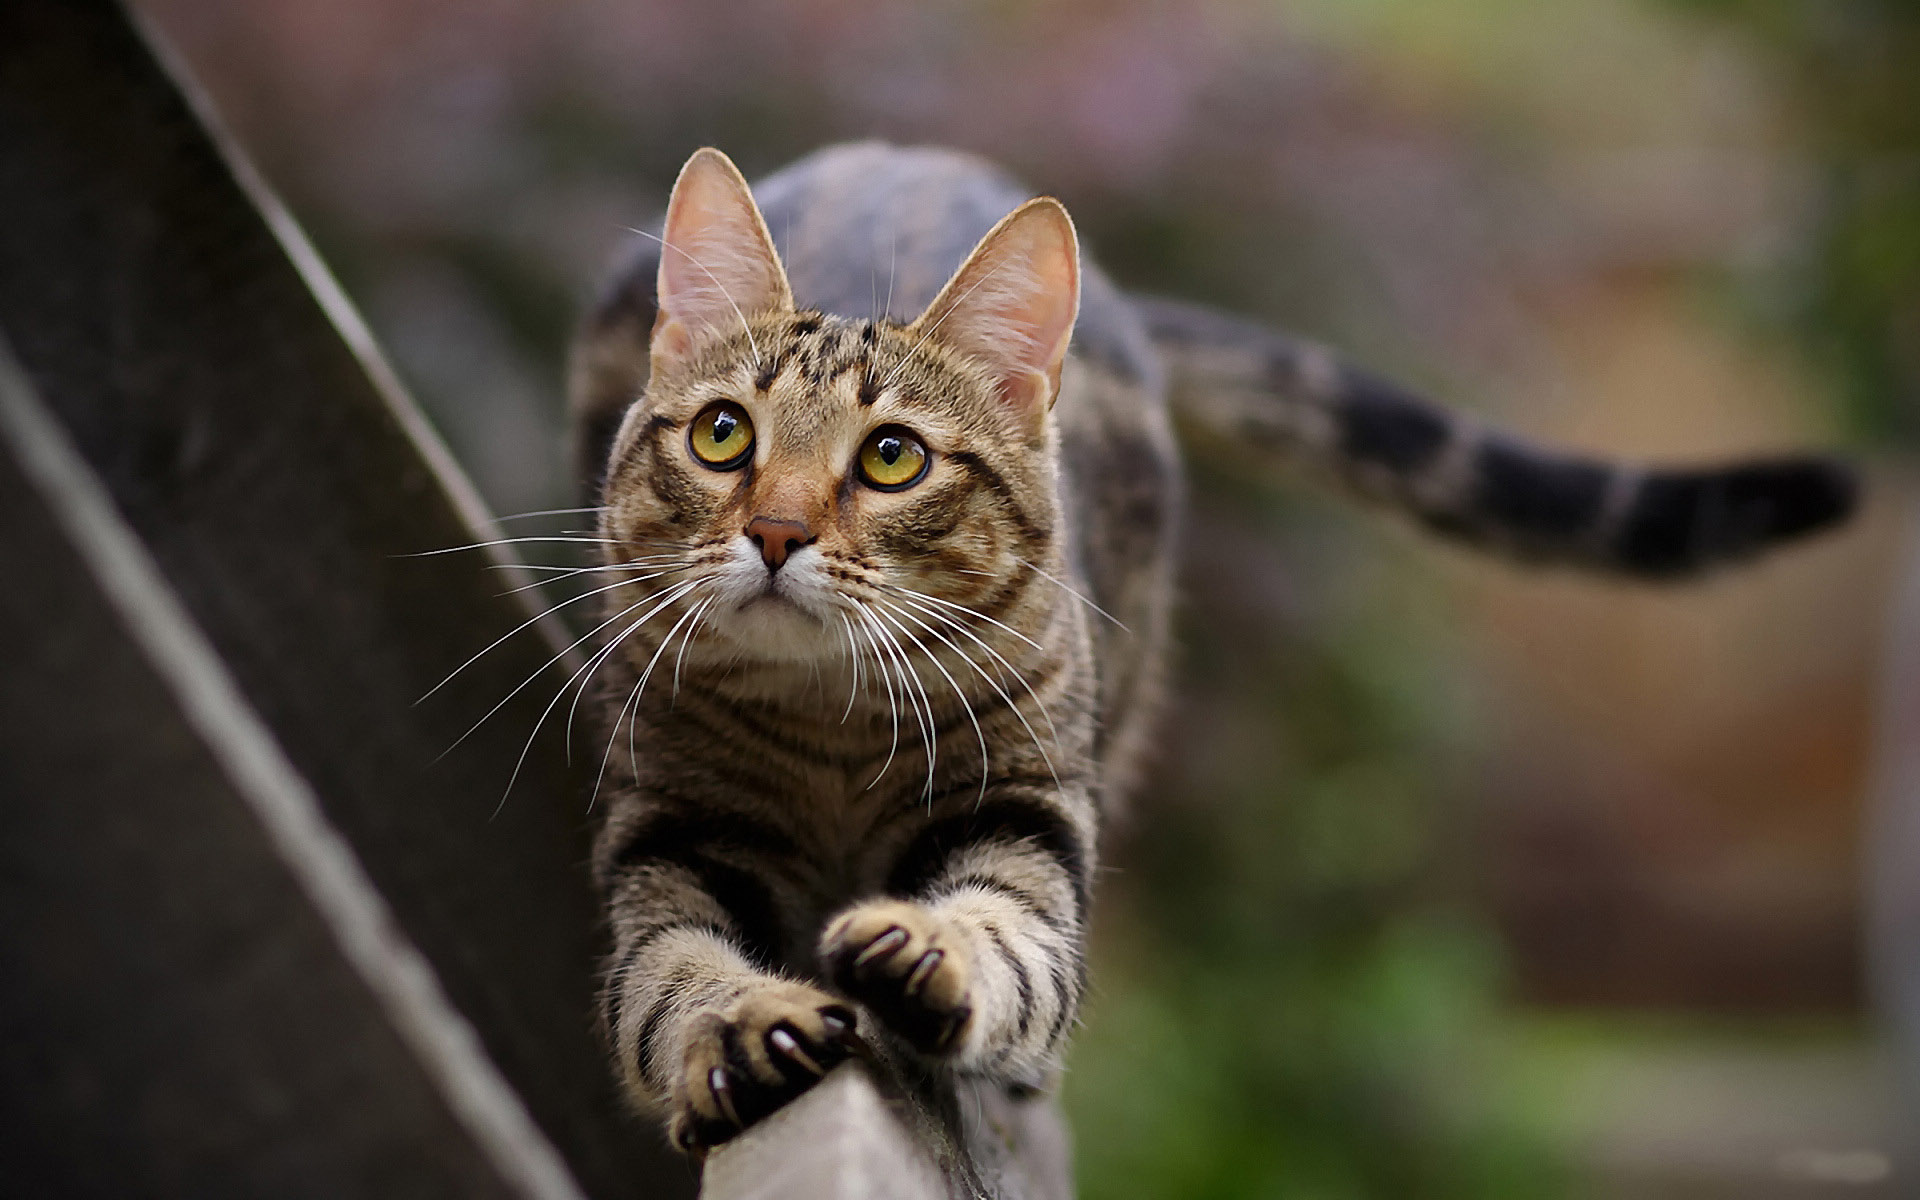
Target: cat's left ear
1012,304
717,263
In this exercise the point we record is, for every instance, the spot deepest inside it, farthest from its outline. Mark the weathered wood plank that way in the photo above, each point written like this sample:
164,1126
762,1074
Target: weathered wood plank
842,1140
255,450
178,1016
875,1128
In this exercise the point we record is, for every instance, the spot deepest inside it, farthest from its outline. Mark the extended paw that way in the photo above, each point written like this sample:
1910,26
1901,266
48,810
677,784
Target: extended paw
905,964
761,1051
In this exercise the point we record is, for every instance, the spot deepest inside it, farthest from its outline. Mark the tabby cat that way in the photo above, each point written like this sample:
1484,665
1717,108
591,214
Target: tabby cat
889,539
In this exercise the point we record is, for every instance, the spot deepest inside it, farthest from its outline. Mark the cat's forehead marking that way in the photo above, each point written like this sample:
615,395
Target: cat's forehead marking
813,347
821,356
822,381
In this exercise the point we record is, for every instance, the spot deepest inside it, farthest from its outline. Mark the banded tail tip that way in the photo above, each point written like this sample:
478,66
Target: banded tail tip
1686,520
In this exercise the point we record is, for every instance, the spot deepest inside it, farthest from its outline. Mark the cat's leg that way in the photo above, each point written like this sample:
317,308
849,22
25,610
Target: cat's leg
977,956
702,1030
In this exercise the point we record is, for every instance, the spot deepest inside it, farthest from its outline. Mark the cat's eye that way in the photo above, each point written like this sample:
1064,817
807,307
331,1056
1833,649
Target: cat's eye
892,459
721,437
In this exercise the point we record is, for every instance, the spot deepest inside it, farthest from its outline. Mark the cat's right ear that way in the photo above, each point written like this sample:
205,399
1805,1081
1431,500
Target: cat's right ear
1011,306
717,262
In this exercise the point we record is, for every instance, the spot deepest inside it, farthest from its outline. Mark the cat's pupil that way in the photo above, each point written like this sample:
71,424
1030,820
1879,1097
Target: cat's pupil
889,450
722,427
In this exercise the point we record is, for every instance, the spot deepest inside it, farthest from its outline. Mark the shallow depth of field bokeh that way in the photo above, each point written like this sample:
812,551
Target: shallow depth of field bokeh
1456,879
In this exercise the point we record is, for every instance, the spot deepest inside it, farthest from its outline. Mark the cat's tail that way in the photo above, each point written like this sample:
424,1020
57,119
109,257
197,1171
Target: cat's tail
1260,389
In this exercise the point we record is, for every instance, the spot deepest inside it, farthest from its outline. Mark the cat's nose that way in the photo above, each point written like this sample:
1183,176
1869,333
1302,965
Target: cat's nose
777,539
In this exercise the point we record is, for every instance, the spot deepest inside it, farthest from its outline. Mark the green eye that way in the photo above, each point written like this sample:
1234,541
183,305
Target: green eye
721,436
892,459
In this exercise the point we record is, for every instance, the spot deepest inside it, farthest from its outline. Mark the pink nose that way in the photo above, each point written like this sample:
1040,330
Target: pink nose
777,539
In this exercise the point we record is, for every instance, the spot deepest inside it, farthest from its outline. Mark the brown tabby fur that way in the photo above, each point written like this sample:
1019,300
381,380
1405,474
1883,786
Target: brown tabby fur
881,809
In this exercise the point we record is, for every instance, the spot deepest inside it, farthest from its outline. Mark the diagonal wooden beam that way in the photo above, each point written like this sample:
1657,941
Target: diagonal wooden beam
190,1004
129,764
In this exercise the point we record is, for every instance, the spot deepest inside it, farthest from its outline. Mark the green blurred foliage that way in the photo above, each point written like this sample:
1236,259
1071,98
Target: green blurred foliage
1852,291
1294,998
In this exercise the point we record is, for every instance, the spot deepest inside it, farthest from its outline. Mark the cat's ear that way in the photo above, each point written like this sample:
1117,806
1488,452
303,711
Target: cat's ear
717,263
1012,304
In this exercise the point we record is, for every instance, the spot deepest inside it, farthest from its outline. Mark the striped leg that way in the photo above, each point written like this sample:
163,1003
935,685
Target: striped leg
977,958
700,1029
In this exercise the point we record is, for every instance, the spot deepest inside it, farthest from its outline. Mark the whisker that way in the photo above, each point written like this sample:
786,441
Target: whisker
893,260
1000,691
668,545
745,328
551,512
1076,595
886,678
853,655
585,677
574,707
692,632
907,678
583,674
634,700
928,726
965,703
997,658
529,623
921,340
512,541
972,612
541,671
551,579
690,557
1012,707
633,728
570,572
544,671
609,566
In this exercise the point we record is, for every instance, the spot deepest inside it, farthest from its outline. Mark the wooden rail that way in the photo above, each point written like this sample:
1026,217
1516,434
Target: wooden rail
257,937
865,1134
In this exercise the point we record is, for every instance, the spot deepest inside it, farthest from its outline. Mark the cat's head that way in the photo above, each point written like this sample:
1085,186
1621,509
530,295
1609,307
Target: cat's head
816,481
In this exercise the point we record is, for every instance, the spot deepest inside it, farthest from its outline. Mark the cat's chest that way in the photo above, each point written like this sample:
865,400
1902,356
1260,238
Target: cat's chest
849,831
834,818
847,841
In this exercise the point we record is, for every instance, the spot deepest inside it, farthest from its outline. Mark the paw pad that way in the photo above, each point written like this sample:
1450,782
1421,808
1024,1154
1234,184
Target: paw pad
900,961
762,1051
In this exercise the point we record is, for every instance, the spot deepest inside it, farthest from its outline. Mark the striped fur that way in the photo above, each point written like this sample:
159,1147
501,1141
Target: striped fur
825,826
1253,388
870,812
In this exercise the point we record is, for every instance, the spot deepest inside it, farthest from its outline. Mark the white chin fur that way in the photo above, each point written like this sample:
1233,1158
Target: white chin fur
790,618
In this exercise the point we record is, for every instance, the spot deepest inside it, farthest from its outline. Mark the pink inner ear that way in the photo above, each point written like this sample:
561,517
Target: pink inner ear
1012,305
718,265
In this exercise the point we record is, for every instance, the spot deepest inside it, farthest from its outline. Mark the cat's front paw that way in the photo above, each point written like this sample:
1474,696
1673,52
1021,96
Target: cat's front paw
753,1056
905,964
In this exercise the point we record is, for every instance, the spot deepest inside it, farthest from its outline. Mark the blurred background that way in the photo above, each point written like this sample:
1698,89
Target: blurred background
1455,879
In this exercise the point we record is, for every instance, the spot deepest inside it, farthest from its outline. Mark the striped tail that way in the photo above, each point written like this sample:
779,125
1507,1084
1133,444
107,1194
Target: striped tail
1241,381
